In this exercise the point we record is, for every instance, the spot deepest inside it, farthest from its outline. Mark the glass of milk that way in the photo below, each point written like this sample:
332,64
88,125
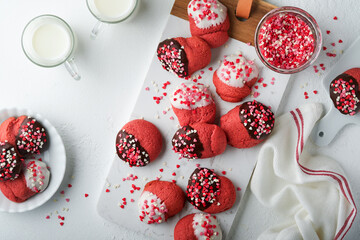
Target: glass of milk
48,41
109,12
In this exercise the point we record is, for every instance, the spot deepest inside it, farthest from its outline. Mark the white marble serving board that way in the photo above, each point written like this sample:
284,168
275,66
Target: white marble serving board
237,163
329,126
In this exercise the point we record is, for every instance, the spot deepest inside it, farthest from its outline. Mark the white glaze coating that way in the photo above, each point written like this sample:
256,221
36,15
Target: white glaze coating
37,175
190,96
207,14
236,70
206,227
151,210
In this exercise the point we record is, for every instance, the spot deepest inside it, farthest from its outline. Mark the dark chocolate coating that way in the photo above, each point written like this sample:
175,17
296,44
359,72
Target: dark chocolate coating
203,187
257,118
129,149
173,58
32,137
186,141
352,95
10,162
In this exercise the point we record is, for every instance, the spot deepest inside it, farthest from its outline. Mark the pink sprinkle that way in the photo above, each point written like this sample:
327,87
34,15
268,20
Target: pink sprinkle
147,89
157,178
68,199
333,44
197,165
62,192
260,80
171,118
249,44
132,200
164,112
47,217
256,94
202,72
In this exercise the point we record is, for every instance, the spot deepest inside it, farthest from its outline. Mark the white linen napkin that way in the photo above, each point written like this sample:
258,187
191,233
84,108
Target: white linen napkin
311,192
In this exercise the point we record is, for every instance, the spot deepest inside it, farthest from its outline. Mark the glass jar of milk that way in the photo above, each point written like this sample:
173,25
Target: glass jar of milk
110,11
48,41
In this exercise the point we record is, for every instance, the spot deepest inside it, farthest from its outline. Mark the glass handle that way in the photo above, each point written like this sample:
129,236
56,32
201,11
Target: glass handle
72,68
96,30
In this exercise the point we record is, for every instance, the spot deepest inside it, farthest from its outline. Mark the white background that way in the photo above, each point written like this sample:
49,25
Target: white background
88,113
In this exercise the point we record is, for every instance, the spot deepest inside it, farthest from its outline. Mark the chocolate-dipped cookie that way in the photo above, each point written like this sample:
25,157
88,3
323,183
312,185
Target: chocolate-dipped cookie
210,193
27,134
138,143
199,140
10,162
183,56
344,92
247,124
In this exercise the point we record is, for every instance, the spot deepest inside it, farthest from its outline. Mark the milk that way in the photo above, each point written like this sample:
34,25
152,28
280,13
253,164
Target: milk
47,41
111,10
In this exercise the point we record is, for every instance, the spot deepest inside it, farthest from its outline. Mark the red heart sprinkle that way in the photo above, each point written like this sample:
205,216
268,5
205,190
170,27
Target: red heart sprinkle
264,84
61,224
315,92
177,166
86,195
47,217
161,170
238,188
62,192
107,190
223,172
327,32
340,41
68,199
324,48
174,181
69,185
333,44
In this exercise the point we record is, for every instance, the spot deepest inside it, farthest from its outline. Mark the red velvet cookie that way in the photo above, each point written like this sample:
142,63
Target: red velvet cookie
247,124
199,140
198,226
159,201
10,162
34,179
344,92
192,103
209,192
183,56
138,143
209,20
235,77
26,133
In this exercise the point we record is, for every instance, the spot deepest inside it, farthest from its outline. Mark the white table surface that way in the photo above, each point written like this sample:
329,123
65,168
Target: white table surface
89,113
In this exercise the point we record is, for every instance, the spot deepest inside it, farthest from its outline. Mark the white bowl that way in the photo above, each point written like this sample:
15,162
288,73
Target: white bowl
54,157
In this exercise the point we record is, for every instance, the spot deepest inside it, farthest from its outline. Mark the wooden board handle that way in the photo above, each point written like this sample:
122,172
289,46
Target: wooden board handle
241,30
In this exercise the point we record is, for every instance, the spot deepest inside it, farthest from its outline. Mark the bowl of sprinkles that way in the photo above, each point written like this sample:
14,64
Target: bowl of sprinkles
288,40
